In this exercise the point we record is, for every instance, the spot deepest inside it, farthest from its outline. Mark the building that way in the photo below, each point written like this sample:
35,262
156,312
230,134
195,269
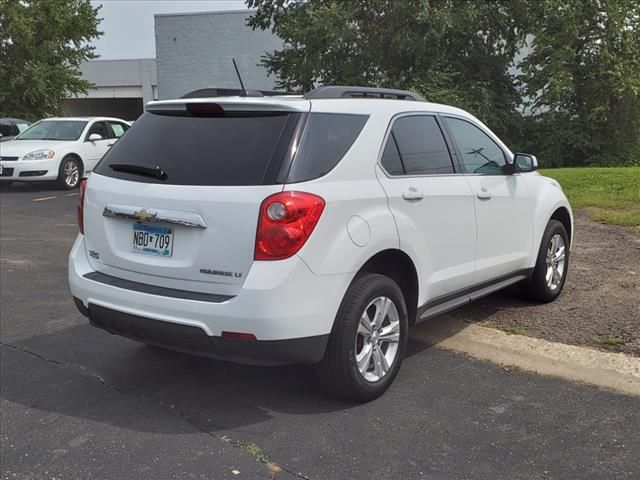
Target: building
195,50
120,89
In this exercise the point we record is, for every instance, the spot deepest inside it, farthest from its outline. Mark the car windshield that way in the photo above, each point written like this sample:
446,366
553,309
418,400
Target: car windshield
54,130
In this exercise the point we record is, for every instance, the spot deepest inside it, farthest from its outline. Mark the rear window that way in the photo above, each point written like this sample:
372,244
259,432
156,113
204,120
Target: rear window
197,150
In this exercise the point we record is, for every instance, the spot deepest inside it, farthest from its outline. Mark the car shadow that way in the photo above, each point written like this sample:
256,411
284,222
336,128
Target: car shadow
69,369
31,187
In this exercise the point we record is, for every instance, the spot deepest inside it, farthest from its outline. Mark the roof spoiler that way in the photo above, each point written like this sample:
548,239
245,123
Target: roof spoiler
362,92
230,92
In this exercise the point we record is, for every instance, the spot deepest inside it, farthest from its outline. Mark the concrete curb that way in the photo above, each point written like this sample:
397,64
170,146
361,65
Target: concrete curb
615,371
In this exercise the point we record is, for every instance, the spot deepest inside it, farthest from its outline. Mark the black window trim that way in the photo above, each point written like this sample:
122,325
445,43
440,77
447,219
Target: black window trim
452,155
458,153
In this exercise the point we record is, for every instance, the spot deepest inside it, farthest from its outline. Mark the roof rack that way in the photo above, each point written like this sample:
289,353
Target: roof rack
362,92
230,92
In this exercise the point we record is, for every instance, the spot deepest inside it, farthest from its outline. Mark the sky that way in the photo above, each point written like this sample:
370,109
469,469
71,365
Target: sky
128,24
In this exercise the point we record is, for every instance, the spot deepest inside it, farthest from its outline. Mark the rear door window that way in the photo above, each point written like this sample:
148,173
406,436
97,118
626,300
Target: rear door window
203,150
422,146
118,128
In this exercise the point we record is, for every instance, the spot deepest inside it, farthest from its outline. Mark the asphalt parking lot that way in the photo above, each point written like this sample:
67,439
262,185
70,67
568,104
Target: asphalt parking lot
77,402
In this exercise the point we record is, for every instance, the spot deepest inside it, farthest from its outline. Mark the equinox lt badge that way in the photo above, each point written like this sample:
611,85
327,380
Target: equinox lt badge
220,273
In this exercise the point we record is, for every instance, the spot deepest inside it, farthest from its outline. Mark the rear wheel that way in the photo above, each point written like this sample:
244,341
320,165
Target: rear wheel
368,341
70,173
552,265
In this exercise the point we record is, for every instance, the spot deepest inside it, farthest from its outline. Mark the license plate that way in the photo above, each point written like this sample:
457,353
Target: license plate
152,239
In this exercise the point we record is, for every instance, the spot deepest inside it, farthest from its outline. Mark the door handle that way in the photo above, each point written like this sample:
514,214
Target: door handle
484,194
412,195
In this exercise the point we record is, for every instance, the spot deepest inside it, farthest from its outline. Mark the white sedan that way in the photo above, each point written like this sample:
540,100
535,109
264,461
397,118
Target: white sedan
61,149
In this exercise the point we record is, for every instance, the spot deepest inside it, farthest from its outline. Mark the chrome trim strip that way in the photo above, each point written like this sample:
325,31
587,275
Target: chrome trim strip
155,215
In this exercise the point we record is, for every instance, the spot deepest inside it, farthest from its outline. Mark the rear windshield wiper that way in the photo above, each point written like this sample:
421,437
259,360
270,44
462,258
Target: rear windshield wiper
153,172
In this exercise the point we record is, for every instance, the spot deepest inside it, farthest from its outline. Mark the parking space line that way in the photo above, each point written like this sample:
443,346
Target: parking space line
42,199
71,194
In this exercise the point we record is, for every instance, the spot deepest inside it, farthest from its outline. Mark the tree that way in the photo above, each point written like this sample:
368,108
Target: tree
572,65
583,81
42,43
456,52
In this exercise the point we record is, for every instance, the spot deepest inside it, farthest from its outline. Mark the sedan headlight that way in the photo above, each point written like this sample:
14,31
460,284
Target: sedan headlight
39,155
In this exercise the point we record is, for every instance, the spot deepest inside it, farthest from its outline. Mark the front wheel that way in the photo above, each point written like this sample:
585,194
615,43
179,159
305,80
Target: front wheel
552,264
70,173
368,340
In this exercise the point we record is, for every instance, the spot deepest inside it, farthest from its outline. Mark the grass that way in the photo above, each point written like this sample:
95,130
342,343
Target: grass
610,195
514,330
608,342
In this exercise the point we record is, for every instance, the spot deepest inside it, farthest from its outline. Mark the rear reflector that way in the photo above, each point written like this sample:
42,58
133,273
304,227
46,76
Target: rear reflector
80,211
239,336
81,308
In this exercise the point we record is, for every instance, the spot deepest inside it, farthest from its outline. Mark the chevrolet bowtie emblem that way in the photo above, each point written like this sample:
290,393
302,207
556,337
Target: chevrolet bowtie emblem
144,215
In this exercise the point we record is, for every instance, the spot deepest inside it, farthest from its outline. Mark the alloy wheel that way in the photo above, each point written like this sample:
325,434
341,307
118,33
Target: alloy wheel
555,262
71,173
377,339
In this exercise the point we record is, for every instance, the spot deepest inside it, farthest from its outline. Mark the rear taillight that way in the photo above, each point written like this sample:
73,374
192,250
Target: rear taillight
286,222
80,212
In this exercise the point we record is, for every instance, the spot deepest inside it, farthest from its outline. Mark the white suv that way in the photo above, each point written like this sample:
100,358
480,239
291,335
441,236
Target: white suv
310,229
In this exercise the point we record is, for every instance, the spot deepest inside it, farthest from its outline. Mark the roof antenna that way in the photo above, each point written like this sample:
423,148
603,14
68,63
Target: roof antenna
244,90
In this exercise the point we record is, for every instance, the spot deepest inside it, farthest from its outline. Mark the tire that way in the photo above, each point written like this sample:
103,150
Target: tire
339,371
66,178
539,287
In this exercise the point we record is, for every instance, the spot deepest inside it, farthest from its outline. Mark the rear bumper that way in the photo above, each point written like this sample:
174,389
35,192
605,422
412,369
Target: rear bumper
194,340
289,310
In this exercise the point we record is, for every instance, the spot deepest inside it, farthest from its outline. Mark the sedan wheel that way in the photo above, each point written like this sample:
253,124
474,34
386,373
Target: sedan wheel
70,173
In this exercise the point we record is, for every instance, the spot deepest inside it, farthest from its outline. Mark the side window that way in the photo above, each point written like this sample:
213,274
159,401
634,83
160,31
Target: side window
22,126
6,128
118,128
480,154
391,157
421,145
327,138
100,128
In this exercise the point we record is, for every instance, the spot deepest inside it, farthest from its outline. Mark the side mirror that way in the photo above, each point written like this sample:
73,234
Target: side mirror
94,137
524,162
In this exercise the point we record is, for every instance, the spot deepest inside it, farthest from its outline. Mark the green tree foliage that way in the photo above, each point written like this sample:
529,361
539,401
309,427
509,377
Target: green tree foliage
579,79
582,79
42,43
455,52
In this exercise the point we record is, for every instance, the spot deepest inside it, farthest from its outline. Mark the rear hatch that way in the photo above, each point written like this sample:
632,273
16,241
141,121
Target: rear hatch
175,202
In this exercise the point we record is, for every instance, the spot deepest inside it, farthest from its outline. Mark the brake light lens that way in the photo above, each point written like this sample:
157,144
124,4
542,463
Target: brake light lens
286,221
80,211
